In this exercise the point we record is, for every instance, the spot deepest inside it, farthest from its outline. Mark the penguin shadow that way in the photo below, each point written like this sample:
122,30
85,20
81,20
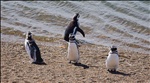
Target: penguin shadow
81,65
119,73
43,63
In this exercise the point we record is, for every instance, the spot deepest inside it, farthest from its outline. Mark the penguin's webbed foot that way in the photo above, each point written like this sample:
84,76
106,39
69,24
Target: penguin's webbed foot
78,45
76,63
108,70
112,70
70,62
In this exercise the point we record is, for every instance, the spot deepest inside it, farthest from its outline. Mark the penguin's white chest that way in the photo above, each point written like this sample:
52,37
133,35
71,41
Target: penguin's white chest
27,47
73,53
112,61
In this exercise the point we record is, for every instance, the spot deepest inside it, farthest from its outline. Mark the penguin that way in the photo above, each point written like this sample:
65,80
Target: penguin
70,28
112,61
73,52
32,49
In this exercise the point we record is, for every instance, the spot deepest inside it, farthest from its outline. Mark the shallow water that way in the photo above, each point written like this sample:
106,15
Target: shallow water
123,23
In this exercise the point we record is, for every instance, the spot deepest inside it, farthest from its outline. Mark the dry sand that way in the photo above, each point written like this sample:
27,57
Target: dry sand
16,66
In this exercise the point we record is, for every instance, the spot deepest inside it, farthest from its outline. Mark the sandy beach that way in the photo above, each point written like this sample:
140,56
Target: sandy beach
16,66
105,23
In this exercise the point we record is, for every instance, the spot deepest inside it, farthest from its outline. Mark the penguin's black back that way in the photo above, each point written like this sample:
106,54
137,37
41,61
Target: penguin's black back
33,47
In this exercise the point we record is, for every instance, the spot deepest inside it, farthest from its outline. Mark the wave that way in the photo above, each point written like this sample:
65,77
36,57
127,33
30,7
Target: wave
123,23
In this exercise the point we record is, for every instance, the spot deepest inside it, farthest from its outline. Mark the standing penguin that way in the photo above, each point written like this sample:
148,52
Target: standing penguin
73,52
32,49
70,29
112,61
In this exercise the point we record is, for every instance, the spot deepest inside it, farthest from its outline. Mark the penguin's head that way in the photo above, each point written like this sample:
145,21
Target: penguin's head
75,18
71,37
113,48
29,36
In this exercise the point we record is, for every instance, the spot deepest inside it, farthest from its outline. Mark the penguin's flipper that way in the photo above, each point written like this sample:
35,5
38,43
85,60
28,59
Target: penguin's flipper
81,31
32,50
37,56
66,37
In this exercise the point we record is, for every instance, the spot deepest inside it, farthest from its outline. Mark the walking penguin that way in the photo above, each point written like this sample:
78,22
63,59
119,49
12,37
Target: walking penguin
32,49
73,52
112,61
71,28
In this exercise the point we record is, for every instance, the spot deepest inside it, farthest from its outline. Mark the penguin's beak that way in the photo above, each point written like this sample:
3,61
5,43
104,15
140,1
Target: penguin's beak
78,16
